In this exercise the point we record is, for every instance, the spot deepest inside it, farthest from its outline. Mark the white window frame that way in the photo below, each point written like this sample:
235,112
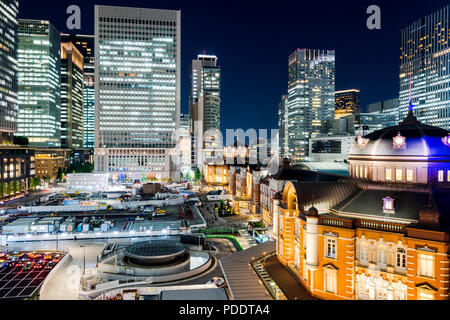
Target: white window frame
330,243
364,255
330,281
400,261
381,256
426,265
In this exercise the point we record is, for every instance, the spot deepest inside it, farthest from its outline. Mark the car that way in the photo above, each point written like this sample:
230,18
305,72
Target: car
20,263
12,262
28,266
39,265
50,265
48,256
3,264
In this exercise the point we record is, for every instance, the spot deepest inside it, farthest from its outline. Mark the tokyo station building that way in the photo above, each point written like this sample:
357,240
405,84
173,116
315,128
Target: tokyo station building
381,234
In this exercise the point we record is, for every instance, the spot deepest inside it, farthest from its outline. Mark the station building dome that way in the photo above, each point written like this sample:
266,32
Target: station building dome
410,152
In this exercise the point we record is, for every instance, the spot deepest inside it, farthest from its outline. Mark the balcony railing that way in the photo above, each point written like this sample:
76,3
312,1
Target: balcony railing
382,226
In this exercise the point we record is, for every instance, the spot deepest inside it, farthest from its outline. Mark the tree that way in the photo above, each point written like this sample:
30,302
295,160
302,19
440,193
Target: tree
59,175
197,175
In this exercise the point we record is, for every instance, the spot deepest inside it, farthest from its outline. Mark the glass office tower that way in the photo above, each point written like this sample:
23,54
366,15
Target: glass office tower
71,96
310,99
137,93
39,57
85,44
9,107
283,127
204,105
425,68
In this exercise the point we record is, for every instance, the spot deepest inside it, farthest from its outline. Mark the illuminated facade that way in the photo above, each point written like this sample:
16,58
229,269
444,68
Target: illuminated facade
347,103
283,127
310,98
17,167
383,234
85,44
72,83
9,107
39,58
48,161
137,94
424,67
204,107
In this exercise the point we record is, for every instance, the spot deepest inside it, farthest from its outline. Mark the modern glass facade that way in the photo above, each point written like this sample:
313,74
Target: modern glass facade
85,44
137,93
347,103
72,83
39,57
425,68
311,98
204,105
283,127
9,108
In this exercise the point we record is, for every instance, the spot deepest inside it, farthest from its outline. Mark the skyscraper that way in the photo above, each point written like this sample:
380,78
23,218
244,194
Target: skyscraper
425,69
283,127
137,93
310,98
204,104
347,103
71,96
8,69
39,58
85,44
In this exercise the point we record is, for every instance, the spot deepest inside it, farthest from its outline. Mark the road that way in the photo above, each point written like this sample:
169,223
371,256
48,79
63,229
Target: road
65,284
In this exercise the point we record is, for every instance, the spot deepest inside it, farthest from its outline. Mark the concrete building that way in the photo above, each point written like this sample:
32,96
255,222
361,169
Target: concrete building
72,86
39,59
9,108
330,148
311,98
137,100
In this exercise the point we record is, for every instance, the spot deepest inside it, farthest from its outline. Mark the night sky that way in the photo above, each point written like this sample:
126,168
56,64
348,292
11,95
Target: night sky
253,40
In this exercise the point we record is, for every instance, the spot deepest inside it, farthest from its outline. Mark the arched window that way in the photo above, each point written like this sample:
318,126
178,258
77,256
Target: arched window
401,258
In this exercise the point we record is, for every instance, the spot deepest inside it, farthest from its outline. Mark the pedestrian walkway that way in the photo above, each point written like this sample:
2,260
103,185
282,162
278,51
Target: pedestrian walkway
287,282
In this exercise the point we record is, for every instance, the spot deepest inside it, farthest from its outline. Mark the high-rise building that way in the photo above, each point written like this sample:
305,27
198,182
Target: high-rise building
137,93
283,127
310,98
85,44
204,105
347,103
39,58
71,96
425,69
9,108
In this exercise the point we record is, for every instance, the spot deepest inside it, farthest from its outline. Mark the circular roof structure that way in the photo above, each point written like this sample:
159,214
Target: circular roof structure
409,138
155,252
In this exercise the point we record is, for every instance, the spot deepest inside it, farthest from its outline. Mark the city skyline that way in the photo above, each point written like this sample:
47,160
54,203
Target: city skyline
242,53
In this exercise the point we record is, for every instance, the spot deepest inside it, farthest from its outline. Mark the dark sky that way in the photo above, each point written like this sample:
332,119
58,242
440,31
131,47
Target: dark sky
253,40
